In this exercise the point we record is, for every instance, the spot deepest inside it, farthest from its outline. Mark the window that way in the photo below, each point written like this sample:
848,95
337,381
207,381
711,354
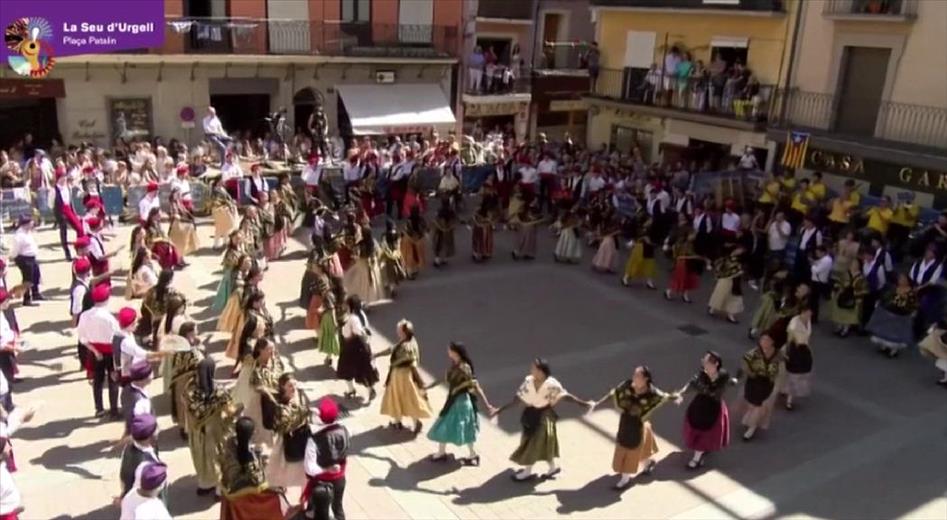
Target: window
625,139
547,118
356,10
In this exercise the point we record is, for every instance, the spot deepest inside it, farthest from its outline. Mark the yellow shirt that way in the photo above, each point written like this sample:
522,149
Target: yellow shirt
839,210
802,201
770,192
788,183
818,191
905,215
878,219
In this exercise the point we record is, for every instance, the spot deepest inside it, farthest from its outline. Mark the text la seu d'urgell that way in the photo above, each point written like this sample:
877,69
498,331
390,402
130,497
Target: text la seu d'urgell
79,34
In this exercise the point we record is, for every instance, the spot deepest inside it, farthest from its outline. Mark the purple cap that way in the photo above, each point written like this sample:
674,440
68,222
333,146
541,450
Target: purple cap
139,370
143,426
153,476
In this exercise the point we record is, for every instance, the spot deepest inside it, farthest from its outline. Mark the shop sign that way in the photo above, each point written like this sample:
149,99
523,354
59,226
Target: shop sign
877,172
89,130
567,105
130,118
492,109
32,88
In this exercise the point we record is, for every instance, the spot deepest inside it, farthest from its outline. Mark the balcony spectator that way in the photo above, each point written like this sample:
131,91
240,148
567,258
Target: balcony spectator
475,64
651,85
700,82
683,75
747,106
591,59
671,61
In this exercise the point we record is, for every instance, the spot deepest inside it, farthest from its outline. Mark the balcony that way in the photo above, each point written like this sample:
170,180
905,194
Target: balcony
305,37
506,9
500,81
871,10
921,127
736,104
563,58
759,6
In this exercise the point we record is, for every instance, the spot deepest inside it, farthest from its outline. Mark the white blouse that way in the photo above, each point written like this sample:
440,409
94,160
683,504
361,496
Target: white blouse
798,331
545,395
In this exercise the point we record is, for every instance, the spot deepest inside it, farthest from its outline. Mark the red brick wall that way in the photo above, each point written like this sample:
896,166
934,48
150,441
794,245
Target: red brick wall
250,9
173,42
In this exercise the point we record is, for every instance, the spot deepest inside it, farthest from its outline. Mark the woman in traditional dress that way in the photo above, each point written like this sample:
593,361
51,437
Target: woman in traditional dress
413,247
267,215
569,246
540,393
284,217
252,228
934,346
181,229
641,262
798,358
181,368
316,289
233,257
414,196
604,259
761,368
233,309
260,374
286,414
142,276
707,421
224,211
328,341
458,423
209,409
727,296
795,299
688,266
925,275
364,277
249,288
155,239
356,363
404,390
482,236
892,323
848,296
392,263
636,398
846,250
444,234
765,314
245,492
154,306
526,223
257,323
289,198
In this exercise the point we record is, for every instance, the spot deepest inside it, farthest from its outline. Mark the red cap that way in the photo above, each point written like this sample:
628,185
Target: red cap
182,168
328,410
101,293
92,202
81,265
126,316
4,295
94,222
313,158
152,187
82,242
88,169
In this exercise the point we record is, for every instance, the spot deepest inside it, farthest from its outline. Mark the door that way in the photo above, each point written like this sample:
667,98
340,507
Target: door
415,22
862,84
551,25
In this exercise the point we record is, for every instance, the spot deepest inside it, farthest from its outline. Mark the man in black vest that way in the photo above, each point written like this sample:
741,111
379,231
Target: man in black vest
325,461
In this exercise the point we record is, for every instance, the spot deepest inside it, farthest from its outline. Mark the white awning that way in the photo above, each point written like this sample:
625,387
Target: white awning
397,109
739,42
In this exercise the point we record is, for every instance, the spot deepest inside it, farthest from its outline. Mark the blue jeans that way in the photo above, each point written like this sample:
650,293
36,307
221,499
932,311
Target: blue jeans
222,142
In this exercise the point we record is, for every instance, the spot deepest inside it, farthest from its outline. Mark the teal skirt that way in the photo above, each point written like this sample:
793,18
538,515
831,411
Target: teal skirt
328,341
224,288
459,425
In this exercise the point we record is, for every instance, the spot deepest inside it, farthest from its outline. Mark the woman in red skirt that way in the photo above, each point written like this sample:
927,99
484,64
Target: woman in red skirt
707,421
688,267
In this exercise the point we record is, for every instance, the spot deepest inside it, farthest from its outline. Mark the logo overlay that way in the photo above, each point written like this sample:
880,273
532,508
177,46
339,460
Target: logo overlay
36,32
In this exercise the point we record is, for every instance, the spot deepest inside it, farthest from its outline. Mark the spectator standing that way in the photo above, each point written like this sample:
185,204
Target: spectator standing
475,65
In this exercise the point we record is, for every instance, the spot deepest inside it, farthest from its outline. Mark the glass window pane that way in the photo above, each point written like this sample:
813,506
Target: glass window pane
348,10
364,10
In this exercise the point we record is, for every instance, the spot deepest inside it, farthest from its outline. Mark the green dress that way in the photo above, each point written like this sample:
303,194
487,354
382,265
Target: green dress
458,422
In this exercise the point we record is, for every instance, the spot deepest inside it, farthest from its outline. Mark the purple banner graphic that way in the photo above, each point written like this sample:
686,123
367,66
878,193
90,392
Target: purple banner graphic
36,32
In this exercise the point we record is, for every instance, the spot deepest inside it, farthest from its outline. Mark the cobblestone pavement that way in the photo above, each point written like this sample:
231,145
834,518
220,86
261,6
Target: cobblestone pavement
868,444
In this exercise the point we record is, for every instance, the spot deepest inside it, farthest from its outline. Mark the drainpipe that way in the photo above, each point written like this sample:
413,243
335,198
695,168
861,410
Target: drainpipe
792,61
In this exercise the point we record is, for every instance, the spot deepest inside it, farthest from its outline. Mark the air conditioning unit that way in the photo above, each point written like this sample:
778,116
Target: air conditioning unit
385,76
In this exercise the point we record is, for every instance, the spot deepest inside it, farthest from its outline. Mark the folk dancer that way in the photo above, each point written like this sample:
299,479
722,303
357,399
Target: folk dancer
260,374
413,246
286,414
135,398
797,355
392,263
404,391
325,462
223,209
141,449
62,209
231,261
145,502
364,277
209,409
727,296
356,363
443,238
892,323
245,492
760,366
707,420
482,236
24,253
848,296
96,328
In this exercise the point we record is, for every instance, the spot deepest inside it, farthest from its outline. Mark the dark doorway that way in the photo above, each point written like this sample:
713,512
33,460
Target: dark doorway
242,112
862,83
304,104
501,47
36,116
707,156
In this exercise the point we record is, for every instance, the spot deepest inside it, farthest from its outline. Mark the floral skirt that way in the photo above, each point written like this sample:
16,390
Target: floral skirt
459,426
891,330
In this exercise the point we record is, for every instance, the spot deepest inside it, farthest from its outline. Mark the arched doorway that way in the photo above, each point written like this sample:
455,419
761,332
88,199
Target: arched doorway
304,103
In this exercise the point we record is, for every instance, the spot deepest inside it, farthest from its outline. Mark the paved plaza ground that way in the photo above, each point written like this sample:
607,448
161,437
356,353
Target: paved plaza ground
870,442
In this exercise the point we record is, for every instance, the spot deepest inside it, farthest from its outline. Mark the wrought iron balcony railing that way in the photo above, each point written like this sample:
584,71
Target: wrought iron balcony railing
563,56
871,9
920,125
306,37
734,5
506,9
736,100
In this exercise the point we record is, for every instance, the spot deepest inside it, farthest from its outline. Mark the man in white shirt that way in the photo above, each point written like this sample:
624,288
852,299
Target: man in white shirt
324,462
529,176
130,352
312,174
214,132
144,502
777,236
149,202
821,273
748,161
96,329
548,169
10,500
730,222
24,254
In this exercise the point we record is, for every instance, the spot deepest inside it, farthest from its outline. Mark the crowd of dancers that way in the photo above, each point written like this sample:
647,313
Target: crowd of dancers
252,442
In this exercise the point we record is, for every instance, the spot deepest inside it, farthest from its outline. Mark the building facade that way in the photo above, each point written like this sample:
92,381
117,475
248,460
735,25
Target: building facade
864,86
736,54
247,58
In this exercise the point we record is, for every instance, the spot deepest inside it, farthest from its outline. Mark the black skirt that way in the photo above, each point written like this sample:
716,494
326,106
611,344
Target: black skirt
799,359
703,412
355,362
630,431
757,390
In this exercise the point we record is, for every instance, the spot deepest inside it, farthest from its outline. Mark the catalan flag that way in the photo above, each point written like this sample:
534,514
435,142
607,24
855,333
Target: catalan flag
794,155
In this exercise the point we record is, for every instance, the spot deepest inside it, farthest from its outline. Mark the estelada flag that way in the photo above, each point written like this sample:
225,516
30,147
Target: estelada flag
794,155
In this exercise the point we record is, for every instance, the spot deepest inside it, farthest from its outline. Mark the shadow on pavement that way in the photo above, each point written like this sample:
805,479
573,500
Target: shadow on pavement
500,487
64,458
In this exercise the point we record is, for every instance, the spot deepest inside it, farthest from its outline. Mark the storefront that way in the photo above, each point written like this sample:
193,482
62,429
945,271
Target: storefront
507,112
29,104
396,109
558,107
